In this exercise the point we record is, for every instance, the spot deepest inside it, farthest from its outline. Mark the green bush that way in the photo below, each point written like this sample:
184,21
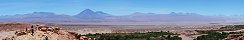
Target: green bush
135,36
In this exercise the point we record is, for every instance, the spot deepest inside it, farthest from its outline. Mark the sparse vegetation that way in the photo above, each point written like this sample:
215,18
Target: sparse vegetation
214,35
211,35
135,36
233,27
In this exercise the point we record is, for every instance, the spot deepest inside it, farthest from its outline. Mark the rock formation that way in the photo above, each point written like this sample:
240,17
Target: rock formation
43,33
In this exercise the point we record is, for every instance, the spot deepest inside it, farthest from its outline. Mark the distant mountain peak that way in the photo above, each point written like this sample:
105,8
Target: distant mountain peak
89,14
87,11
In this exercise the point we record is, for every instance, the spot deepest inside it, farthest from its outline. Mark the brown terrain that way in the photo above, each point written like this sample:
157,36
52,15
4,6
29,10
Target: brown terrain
8,29
23,31
13,26
187,31
91,28
37,32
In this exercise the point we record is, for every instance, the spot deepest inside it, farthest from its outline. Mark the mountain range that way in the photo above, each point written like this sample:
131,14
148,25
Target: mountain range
98,16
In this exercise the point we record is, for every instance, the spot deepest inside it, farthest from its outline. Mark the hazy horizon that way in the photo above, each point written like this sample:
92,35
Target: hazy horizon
123,7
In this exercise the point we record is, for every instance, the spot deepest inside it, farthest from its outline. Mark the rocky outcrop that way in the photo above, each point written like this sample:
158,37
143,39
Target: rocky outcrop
39,32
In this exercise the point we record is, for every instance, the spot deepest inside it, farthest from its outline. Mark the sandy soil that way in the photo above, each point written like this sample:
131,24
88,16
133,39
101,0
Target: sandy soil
6,34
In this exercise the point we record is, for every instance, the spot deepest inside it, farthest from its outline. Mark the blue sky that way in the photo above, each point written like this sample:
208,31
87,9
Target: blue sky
123,7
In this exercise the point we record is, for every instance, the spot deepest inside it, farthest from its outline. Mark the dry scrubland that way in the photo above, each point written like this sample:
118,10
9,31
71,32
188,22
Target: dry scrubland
8,30
134,28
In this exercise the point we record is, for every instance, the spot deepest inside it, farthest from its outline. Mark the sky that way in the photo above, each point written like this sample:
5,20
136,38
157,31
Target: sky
123,7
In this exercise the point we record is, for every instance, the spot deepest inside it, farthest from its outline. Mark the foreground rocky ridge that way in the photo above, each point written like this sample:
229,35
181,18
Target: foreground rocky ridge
41,32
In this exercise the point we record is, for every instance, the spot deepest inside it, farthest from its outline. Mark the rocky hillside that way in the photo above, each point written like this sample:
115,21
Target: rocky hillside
40,32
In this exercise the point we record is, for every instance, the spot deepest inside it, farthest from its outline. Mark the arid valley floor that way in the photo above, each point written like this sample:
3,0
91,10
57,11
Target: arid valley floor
186,32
